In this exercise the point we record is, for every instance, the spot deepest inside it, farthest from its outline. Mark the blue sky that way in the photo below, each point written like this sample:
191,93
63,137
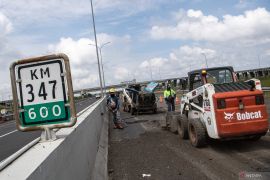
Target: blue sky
165,37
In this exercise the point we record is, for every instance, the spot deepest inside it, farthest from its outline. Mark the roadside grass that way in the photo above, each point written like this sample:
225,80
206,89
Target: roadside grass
265,81
1,107
267,94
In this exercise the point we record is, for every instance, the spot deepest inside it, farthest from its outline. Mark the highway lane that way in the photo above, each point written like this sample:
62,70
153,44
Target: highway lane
12,140
7,127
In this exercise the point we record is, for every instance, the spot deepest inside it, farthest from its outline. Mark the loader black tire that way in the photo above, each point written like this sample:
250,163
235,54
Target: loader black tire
255,138
197,133
183,127
174,123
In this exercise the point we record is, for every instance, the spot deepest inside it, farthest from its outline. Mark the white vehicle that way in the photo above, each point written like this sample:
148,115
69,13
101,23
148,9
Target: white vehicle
126,100
98,96
219,107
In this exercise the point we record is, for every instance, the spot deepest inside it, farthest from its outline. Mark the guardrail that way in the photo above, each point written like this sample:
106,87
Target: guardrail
266,89
80,152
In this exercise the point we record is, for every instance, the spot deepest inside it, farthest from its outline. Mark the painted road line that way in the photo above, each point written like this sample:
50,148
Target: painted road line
8,133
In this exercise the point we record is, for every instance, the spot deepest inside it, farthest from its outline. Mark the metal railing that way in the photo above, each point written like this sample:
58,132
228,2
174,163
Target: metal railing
266,89
266,92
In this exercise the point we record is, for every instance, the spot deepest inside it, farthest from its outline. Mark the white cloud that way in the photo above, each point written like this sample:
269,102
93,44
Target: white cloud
39,10
46,22
245,4
195,51
235,40
80,52
267,52
5,25
121,73
83,59
186,58
154,63
7,53
178,62
253,25
5,28
193,57
54,10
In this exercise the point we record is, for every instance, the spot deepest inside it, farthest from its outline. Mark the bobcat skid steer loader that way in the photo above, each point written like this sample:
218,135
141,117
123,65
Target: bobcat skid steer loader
218,106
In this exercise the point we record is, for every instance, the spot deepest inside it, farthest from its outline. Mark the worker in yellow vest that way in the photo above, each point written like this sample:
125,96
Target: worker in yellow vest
169,96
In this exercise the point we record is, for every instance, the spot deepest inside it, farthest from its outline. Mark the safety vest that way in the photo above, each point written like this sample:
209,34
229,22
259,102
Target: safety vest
168,93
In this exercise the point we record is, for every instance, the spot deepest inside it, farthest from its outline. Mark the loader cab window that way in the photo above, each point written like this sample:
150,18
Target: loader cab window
195,81
219,76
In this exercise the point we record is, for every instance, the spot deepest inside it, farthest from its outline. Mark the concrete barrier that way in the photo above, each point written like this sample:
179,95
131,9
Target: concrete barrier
80,152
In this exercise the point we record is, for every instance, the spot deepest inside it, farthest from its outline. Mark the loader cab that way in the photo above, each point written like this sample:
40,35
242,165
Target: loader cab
218,75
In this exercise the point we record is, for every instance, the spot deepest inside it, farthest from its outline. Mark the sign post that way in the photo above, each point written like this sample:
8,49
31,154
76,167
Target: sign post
43,94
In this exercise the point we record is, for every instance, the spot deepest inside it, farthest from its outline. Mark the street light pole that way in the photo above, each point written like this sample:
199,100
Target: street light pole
150,66
101,62
259,59
205,59
94,26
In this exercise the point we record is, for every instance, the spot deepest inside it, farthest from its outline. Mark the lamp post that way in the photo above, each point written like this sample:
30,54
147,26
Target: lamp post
259,60
104,84
151,73
205,59
101,62
94,27
159,72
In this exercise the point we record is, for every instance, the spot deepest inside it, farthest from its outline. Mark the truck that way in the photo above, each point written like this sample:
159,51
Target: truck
136,100
218,106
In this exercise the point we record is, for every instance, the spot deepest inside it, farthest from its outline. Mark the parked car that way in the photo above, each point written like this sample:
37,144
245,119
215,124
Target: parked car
98,96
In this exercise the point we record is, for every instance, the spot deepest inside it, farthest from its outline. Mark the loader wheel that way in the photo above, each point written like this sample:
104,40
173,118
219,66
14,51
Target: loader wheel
183,127
174,123
197,133
255,138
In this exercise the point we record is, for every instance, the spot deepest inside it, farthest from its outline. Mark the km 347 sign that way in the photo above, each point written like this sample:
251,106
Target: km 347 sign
43,93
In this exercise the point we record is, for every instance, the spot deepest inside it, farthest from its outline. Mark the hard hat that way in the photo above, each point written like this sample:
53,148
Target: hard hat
112,90
204,73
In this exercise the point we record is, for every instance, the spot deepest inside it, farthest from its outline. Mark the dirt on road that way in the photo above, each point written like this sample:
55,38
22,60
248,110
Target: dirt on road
143,150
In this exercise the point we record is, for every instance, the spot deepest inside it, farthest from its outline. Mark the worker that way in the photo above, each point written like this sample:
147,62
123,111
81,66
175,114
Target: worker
169,96
113,104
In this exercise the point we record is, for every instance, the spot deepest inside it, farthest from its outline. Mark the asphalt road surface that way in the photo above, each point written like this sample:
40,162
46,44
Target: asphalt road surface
143,150
11,140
